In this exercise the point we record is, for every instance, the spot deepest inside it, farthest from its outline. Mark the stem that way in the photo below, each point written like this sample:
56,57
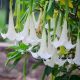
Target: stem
10,4
18,14
52,77
44,15
31,6
56,21
67,9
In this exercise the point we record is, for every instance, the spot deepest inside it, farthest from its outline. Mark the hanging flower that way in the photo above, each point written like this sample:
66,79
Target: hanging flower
32,37
54,56
25,32
77,53
11,33
52,50
63,41
43,51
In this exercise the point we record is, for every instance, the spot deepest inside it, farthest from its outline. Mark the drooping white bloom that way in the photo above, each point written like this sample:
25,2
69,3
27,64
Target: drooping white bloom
52,50
11,33
69,45
77,53
43,52
63,37
25,32
54,56
32,37
63,41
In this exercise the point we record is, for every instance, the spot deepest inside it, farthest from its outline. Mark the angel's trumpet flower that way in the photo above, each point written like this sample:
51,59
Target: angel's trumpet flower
25,32
43,51
63,41
32,37
11,33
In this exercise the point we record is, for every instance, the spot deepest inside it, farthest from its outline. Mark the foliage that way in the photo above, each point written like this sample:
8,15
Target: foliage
58,9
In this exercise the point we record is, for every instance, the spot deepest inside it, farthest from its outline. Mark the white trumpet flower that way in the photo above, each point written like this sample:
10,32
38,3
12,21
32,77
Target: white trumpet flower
52,50
69,45
54,56
43,51
77,53
32,37
24,33
63,41
11,33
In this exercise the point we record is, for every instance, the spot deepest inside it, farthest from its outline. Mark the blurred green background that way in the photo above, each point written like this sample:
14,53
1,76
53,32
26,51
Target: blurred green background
2,19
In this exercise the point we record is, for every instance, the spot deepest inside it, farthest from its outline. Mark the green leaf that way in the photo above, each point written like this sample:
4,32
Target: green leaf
12,57
47,71
55,70
50,9
23,46
10,54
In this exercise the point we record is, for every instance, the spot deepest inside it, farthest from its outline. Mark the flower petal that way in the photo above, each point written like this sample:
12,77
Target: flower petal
49,62
68,45
57,43
11,33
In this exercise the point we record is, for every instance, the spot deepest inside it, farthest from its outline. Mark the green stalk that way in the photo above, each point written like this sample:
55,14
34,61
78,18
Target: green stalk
67,8
30,6
18,14
56,21
10,4
44,15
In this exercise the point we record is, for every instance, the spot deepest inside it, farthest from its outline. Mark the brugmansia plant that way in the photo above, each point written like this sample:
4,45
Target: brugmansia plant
49,31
